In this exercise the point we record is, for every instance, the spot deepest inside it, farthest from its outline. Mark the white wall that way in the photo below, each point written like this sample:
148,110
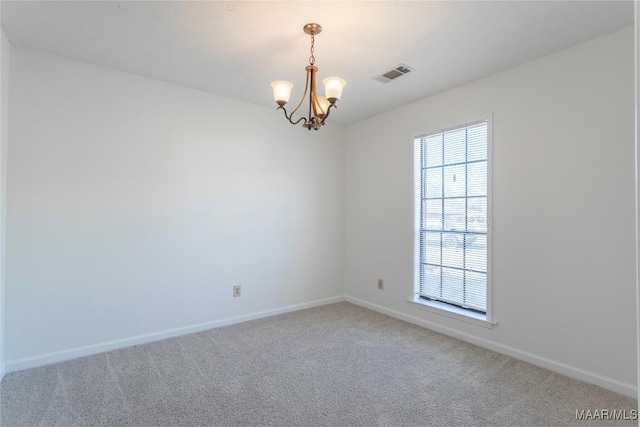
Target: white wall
563,210
5,52
135,205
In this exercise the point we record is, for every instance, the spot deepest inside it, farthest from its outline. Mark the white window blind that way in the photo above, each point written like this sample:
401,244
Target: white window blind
453,216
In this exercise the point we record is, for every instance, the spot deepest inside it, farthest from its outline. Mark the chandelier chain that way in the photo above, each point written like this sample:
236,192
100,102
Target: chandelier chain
312,59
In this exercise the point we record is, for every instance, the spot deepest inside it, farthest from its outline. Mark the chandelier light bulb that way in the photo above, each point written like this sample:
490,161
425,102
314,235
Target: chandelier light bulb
281,91
333,88
323,105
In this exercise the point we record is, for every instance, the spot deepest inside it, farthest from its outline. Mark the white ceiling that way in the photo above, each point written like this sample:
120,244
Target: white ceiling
236,49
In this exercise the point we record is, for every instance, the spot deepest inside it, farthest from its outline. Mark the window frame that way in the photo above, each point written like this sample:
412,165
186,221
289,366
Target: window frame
460,313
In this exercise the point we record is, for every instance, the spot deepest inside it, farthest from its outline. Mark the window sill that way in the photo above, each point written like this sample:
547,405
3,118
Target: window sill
452,311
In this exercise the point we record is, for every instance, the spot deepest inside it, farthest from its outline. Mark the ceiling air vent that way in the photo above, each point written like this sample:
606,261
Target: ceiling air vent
393,74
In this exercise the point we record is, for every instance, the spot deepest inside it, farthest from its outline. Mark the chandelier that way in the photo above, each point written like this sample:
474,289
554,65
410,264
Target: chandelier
319,106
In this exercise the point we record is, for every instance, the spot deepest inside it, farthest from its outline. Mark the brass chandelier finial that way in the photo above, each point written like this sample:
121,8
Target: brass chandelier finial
319,106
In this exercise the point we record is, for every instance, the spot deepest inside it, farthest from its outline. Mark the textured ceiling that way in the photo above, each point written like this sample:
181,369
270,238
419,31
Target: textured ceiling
236,49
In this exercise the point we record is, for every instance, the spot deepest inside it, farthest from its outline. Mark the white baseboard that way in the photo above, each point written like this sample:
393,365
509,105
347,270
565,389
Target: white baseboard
552,365
562,368
74,353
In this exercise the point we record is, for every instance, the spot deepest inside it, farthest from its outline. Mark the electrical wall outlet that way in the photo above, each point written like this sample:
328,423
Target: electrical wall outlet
236,291
380,284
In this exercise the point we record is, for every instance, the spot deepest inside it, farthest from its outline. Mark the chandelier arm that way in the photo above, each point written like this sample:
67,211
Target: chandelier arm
313,98
306,87
328,111
314,106
311,114
290,116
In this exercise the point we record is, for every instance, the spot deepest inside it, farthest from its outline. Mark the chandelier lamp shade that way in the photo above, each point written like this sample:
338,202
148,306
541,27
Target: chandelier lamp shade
319,107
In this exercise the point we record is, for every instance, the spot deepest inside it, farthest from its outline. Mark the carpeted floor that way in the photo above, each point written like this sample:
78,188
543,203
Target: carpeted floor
336,365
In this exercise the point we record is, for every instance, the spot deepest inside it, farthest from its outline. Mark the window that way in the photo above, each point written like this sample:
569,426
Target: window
452,200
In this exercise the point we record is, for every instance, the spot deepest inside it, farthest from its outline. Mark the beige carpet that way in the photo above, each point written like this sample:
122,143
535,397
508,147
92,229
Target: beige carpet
337,365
